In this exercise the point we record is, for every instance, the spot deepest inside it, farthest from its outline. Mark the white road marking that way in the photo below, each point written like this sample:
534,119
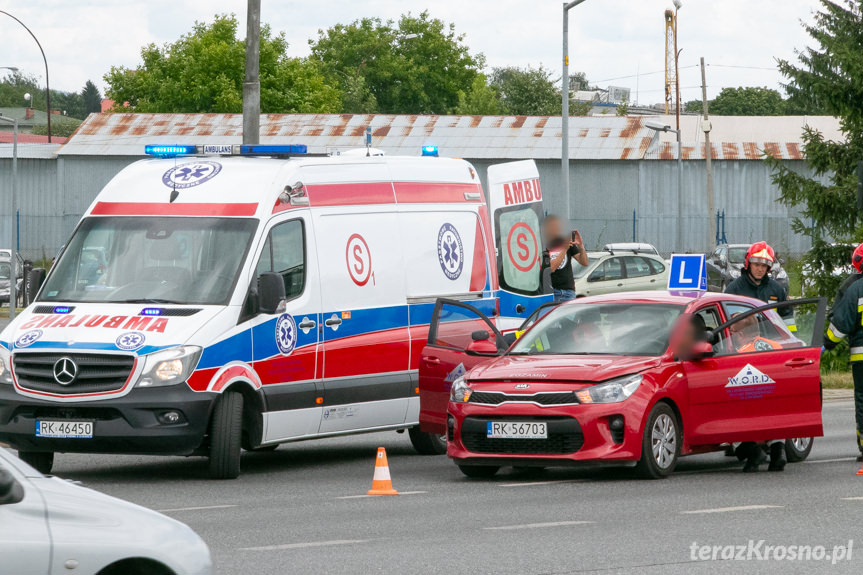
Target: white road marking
305,545
195,508
364,496
838,459
727,509
536,525
852,498
532,483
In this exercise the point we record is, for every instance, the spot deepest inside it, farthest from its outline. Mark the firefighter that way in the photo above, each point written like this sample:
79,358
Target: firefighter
847,321
755,282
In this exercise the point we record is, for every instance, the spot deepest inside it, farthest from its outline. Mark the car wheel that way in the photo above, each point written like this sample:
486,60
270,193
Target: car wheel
427,443
225,433
798,449
479,471
41,461
660,445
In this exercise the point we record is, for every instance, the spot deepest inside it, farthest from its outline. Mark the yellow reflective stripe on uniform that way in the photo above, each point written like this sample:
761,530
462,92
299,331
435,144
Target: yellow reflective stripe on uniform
518,333
790,324
857,354
834,334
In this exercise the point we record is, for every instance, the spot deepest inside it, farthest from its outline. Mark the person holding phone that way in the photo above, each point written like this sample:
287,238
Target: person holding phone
561,249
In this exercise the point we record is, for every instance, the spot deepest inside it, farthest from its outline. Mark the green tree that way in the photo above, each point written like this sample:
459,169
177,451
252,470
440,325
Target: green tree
203,71
623,107
92,98
419,65
481,99
527,91
829,74
749,101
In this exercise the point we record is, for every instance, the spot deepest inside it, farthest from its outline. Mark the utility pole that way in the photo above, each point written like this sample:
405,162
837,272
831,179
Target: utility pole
252,84
564,104
708,159
13,214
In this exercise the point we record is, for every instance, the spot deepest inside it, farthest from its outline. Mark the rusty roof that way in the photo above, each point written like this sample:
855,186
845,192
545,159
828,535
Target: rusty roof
470,137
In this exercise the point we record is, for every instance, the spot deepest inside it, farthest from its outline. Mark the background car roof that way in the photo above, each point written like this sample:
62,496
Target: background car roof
664,297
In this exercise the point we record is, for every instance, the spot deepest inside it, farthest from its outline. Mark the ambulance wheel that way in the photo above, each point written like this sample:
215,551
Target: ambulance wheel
798,449
660,445
41,461
427,443
479,471
226,429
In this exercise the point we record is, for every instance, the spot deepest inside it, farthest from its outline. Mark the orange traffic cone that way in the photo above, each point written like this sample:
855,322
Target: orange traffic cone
381,483
860,471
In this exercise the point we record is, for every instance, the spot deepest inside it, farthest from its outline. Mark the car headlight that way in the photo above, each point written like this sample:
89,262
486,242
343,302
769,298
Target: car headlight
612,391
169,366
5,364
459,392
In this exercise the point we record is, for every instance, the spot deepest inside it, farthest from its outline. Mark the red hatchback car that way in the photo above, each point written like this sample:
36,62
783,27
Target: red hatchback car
634,379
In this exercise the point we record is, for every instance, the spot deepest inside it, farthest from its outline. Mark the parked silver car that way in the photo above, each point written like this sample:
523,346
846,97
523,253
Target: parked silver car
619,271
49,526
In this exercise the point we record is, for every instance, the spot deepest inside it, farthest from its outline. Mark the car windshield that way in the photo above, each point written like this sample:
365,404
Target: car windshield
737,255
151,260
579,270
5,271
601,329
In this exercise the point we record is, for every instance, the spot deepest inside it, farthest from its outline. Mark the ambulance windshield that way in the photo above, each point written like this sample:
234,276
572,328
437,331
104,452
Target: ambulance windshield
192,260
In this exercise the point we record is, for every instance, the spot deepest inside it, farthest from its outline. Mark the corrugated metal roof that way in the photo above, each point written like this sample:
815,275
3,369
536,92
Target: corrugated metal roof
493,137
471,137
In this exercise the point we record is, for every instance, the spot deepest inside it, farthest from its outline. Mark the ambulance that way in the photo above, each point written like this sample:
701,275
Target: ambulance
220,298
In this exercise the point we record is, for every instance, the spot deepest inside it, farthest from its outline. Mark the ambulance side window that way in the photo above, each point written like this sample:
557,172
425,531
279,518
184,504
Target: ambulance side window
284,252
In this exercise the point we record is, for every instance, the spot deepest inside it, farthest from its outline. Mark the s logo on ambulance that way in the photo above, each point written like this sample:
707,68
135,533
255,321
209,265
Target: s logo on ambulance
190,174
286,333
450,252
28,338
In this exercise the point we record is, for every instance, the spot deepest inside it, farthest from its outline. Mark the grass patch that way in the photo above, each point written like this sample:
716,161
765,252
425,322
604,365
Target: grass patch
837,380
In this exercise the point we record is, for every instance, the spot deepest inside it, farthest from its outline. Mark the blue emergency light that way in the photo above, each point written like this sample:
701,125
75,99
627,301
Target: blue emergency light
62,309
169,151
430,151
265,150
151,311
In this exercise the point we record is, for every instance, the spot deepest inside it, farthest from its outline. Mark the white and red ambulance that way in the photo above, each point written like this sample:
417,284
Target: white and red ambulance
228,297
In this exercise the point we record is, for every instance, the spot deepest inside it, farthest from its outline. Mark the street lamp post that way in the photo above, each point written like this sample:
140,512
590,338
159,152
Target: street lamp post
660,127
13,260
47,86
564,115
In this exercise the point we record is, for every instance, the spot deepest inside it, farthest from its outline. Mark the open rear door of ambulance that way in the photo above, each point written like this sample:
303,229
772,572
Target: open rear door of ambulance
515,201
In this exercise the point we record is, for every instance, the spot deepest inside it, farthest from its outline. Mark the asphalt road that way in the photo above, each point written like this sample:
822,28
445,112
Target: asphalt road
301,509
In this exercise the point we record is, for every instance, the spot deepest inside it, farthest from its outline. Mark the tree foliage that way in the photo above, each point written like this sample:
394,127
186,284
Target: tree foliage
748,101
419,65
92,98
14,85
830,75
527,91
204,71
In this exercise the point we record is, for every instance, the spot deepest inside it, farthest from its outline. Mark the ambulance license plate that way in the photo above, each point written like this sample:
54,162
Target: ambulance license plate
65,429
516,430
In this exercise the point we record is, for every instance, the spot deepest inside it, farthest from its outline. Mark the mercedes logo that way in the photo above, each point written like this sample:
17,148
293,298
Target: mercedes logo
65,371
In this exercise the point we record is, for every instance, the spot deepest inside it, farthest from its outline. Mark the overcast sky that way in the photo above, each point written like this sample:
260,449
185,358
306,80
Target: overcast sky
609,39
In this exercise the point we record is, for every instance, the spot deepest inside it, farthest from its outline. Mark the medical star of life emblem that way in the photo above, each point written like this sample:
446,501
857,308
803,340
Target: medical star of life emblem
450,251
190,174
286,333
131,341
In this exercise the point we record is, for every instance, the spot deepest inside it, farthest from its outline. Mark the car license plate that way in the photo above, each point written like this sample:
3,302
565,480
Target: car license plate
65,429
516,430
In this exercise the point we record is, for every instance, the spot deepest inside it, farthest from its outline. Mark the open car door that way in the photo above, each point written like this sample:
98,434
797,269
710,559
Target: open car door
515,200
761,381
460,337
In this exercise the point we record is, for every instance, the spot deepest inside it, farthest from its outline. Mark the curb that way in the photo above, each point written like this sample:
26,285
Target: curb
838,394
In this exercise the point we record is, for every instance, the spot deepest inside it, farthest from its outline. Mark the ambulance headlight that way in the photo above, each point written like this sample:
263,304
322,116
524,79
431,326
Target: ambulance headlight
169,366
459,392
612,391
5,364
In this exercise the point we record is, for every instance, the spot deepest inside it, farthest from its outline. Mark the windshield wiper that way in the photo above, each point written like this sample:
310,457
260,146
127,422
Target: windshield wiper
150,300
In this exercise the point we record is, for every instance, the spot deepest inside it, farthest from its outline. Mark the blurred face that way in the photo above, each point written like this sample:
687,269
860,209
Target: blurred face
552,229
758,271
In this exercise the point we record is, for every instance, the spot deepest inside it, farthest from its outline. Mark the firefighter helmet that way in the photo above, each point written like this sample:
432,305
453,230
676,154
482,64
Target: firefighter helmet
759,253
857,258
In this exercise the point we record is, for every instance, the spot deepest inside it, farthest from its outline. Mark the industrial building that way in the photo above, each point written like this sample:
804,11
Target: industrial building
623,174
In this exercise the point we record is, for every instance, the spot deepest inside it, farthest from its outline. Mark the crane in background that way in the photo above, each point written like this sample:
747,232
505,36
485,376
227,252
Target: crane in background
672,86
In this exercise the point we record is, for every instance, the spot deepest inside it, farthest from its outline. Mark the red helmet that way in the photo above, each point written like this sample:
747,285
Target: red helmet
759,253
857,258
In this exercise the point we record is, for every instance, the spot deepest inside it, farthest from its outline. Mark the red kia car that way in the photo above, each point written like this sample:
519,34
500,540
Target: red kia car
633,378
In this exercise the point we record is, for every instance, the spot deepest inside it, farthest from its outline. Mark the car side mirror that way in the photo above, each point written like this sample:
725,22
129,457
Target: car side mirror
482,347
271,293
479,335
11,491
701,350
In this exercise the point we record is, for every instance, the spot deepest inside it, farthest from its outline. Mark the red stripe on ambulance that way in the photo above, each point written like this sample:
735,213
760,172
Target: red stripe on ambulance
165,209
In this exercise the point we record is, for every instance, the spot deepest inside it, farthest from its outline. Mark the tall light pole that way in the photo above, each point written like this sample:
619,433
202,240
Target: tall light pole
564,106
13,260
252,83
660,127
47,85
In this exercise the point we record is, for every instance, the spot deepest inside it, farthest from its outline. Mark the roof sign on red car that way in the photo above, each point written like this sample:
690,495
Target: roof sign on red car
688,272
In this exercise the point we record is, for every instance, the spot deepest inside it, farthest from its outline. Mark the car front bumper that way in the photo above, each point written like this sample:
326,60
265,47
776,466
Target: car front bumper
128,424
577,434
